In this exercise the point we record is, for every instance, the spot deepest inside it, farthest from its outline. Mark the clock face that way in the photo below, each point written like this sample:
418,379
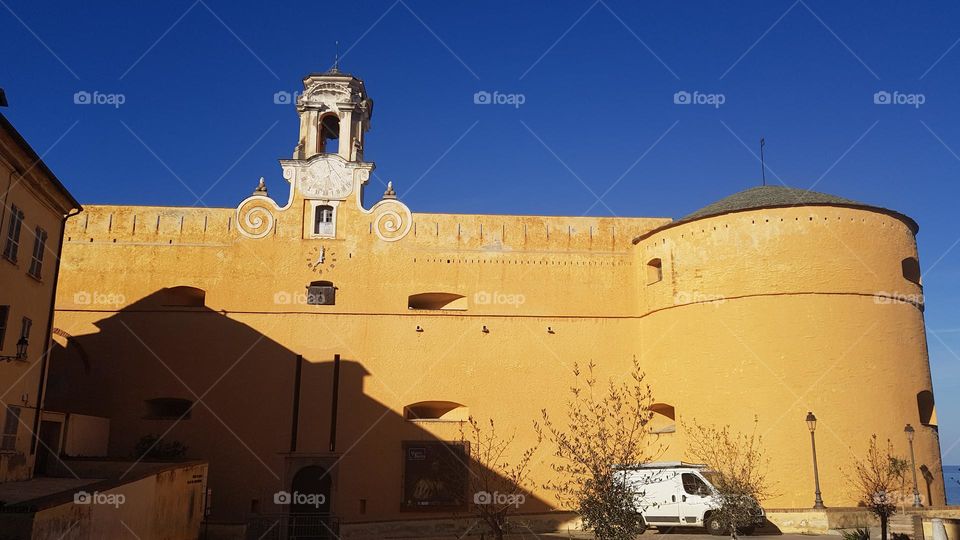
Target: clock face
321,259
326,179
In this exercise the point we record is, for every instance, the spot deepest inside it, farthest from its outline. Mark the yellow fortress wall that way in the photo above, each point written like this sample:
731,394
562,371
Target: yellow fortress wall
769,304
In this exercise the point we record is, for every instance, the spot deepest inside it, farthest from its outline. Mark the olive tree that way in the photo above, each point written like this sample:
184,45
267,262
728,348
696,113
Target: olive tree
497,484
738,472
605,427
879,481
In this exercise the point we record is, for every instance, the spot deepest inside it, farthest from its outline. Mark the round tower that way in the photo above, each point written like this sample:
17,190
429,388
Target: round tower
776,301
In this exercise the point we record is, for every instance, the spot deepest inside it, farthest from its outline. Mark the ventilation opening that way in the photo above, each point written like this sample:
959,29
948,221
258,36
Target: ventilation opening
323,220
928,412
329,134
446,411
183,296
664,419
437,300
654,271
911,269
168,408
321,293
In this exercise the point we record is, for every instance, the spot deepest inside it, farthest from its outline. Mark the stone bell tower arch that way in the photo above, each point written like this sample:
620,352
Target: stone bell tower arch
335,113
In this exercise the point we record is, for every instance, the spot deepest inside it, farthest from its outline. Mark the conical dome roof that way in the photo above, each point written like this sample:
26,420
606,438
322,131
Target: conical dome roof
777,197
767,197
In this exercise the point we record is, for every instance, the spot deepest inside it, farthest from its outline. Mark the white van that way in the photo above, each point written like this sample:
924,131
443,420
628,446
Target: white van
677,494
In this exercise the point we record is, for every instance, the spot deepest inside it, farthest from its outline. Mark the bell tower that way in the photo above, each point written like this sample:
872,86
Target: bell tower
327,172
334,114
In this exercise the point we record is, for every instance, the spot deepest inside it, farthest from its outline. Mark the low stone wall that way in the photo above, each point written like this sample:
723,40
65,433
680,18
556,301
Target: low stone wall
909,521
810,521
155,501
951,525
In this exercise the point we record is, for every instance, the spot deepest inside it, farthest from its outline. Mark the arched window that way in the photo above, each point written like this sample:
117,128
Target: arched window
437,300
329,134
323,220
183,296
911,269
928,413
664,418
446,411
654,271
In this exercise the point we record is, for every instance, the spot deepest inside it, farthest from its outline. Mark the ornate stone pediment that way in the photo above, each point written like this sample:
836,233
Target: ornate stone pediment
323,94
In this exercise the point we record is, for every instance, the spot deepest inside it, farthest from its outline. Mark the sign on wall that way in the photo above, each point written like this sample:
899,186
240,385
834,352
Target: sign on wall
435,475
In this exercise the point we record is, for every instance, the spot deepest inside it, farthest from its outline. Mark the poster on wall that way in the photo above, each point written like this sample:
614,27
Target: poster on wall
434,475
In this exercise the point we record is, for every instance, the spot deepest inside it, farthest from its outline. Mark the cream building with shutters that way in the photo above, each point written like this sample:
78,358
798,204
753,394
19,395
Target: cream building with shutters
32,219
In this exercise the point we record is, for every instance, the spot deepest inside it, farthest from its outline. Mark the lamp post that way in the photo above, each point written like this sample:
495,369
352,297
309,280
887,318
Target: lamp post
21,351
812,425
913,465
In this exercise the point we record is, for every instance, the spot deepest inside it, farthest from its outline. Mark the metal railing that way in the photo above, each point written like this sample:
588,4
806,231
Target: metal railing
293,527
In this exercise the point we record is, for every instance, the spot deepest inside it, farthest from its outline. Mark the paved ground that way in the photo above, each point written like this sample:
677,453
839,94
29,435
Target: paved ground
685,535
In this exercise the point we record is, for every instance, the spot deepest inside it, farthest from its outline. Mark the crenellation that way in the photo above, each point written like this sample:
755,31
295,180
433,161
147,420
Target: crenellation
125,224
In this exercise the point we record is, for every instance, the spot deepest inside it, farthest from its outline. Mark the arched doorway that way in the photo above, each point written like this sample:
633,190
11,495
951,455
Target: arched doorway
310,505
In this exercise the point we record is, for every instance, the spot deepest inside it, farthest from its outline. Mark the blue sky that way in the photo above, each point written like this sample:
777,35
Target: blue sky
198,124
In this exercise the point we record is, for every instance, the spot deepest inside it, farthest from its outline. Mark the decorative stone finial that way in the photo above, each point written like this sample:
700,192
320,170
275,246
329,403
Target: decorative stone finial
261,188
390,193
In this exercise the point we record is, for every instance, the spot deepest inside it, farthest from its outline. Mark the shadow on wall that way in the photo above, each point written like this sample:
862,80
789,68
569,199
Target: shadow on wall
190,374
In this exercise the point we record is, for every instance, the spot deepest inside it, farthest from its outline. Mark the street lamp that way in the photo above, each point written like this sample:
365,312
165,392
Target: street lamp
21,351
812,425
913,465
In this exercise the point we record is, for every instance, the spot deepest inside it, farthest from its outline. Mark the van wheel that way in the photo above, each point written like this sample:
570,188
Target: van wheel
715,526
641,525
